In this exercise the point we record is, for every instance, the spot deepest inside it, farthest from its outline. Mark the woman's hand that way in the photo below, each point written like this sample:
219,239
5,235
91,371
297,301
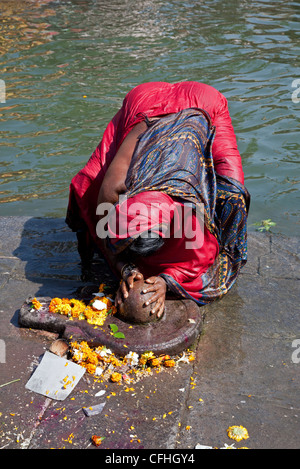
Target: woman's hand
159,287
126,284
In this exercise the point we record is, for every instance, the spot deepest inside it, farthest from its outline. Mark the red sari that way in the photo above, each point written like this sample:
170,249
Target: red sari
159,99
153,99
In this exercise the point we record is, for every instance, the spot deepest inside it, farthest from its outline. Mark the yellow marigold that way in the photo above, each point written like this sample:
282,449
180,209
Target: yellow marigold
54,303
145,357
84,347
169,363
142,361
237,433
65,309
114,361
36,304
95,317
116,377
90,368
97,321
89,312
79,304
92,358
76,311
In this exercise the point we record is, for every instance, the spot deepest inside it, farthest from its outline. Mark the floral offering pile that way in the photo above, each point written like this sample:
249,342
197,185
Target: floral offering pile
102,362
95,312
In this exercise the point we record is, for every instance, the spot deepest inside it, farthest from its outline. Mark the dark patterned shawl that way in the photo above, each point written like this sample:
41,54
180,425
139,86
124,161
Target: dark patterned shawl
174,156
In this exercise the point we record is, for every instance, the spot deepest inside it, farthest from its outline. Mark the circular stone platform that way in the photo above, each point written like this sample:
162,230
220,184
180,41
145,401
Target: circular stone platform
174,332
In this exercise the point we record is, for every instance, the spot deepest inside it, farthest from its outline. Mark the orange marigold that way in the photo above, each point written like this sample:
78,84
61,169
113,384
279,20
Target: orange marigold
76,311
116,377
92,358
54,303
169,363
89,312
90,368
65,301
97,440
36,304
155,362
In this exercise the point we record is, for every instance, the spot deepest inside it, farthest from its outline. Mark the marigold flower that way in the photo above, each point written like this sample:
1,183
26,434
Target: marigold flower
169,363
77,312
237,433
92,358
166,357
65,309
142,361
116,377
114,361
66,301
74,308
90,368
36,304
155,362
77,305
97,440
54,303
148,355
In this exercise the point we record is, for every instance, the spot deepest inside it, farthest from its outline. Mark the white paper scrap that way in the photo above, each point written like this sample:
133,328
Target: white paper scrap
55,377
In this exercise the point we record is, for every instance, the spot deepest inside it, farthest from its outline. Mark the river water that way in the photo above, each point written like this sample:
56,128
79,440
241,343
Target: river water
65,67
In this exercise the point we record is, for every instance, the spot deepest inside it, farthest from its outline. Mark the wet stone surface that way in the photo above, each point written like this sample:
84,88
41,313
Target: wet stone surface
246,370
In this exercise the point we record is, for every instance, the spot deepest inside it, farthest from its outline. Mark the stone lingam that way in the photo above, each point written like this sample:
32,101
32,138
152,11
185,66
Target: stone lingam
133,309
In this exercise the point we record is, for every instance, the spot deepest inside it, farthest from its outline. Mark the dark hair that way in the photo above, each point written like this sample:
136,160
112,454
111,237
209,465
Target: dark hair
144,246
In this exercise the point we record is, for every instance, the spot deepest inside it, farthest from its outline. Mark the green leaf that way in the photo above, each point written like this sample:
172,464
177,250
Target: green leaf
113,327
119,335
264,225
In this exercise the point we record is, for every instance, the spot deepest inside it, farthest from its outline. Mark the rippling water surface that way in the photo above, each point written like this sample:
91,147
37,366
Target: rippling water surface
67,65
